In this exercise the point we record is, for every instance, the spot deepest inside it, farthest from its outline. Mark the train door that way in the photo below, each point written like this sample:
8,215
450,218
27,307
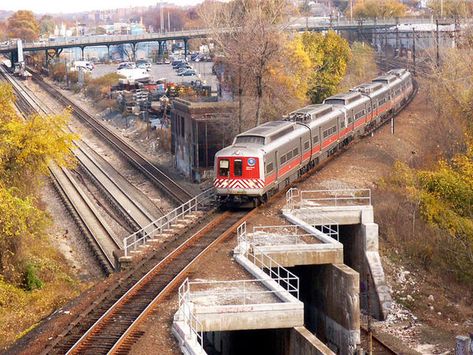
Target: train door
276,165
301,150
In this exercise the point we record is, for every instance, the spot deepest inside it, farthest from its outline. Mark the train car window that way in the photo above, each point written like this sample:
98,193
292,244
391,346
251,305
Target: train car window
238,167
330,131
289,155
269,168
283,159
295,152
316,139
306,145
342,123
224,167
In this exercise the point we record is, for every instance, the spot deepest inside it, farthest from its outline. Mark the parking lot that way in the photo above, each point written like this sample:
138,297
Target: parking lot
159,71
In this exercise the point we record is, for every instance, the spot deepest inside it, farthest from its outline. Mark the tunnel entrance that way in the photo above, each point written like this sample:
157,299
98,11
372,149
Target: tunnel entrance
247,342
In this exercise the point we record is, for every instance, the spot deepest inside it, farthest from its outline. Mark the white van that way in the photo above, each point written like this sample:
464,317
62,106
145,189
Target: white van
84,64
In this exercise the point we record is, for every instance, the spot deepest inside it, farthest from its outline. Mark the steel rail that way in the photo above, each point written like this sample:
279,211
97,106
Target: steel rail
387,349
157,176
63,182
137,215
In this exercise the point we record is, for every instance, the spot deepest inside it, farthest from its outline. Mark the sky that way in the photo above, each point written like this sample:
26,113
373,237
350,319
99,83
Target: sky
67,6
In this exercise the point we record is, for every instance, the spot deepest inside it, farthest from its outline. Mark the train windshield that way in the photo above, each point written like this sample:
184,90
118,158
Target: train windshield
224,167
238,167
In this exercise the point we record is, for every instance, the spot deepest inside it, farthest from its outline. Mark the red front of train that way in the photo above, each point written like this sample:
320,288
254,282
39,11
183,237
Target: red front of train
239,172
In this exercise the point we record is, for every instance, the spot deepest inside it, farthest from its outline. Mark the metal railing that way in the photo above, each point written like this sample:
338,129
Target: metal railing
154,229
327,198
186,309
230,292
278,273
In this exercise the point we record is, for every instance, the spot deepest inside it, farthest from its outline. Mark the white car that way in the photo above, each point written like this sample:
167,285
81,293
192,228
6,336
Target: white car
83,64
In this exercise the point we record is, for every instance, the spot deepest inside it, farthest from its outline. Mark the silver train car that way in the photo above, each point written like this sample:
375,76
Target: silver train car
270,156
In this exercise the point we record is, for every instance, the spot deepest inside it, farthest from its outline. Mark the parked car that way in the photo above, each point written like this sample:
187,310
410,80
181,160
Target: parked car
126,65
167,61
176,63
83,64
181,70
143,64
183,66
188,72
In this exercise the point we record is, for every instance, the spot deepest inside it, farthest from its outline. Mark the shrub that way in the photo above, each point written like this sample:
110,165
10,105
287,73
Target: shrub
32,281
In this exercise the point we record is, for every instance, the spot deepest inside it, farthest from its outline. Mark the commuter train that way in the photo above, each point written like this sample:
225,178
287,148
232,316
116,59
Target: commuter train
270,156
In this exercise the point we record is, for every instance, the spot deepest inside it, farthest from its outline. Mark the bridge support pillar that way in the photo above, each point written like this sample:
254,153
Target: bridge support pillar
82,53
13,58
161,49
186,47
108,52
133,51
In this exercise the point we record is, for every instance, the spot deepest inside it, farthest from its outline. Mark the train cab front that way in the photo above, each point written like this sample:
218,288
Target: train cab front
239,178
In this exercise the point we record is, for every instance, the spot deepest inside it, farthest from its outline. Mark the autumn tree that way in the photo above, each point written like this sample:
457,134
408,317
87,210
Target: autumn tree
22,24
381,9
3,31
26,149
328,55
252,40
450,8
361,66
46,25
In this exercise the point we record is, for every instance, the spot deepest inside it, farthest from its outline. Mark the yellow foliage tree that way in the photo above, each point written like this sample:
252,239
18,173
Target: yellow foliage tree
26,149
27,259
22,24
328,54
381,9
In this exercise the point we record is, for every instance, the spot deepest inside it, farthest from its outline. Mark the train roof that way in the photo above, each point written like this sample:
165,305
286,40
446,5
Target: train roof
398,72
368,88
270,129
236,150
385,79
309,113
343,98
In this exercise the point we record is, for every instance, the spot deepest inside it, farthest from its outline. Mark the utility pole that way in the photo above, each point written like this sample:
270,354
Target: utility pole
351,10
441,8
414,49
438,40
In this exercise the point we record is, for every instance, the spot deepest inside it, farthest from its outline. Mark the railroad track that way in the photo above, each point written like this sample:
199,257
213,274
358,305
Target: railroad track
112,324
379,346
131,204
93,227
117,190
157,176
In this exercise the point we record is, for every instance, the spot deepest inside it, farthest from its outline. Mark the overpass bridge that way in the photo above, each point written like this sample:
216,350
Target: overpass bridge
54,48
